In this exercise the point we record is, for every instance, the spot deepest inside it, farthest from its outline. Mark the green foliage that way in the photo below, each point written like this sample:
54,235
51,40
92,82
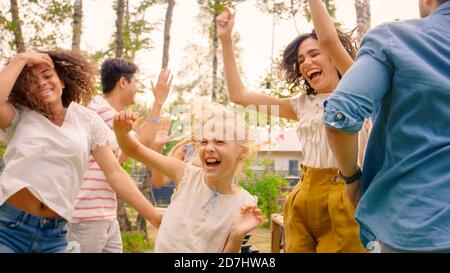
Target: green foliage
331,8
128,165
217,6
2,151
282,9
137,32
41,21
266,186
135,242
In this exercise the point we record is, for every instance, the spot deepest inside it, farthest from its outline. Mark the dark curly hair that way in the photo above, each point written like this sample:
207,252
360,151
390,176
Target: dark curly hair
289,69
73,67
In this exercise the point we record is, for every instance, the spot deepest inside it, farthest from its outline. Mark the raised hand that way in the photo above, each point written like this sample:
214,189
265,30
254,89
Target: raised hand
249,218
34,58
123,122
224,23
162,136
162,88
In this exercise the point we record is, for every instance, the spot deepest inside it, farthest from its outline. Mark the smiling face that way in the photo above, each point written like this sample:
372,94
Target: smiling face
316,67
45,84
219,155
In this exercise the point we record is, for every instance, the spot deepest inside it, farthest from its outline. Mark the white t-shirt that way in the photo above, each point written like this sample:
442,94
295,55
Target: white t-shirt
312,134
199,219
50,161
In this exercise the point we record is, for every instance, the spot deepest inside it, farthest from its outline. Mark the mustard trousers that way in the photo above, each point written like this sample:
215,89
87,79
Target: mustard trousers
318,217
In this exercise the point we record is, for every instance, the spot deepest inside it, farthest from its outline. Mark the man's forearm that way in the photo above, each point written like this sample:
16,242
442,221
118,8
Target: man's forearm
147,134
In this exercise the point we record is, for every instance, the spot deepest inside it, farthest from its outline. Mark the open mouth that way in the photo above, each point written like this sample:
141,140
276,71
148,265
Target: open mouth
212,163
314,75
45,93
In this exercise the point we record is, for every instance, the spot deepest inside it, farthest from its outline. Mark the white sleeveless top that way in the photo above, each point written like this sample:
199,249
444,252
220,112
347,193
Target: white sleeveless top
50,161
197,219
312,134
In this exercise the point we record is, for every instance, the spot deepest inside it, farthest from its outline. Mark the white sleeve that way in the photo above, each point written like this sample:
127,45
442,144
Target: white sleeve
102,135
7,133
299,105
250,199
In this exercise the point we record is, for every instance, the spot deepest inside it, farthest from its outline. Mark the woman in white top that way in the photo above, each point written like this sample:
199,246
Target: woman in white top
317,216
208,212
49,139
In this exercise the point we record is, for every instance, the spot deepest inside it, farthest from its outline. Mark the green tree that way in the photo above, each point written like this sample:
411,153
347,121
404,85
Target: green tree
167,26
195,72
213,8
266,185
16,27
34,24
77,24
363,16
329,4
133,30
282,9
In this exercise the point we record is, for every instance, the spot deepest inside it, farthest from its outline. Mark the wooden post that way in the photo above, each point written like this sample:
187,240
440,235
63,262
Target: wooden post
277,228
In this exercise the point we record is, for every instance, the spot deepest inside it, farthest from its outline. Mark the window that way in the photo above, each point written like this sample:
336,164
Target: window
293,168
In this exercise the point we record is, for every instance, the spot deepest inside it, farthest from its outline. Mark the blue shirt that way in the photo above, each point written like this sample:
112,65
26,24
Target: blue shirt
403,73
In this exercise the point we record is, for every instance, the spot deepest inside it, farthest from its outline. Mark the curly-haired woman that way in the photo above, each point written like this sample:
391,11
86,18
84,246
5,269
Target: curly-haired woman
318,216
49,138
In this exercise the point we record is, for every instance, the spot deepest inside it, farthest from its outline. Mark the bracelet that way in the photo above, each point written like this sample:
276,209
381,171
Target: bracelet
154,120
351,179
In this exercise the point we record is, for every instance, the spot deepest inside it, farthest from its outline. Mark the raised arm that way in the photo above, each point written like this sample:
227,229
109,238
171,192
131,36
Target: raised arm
236,89
146,133
8,77
124,185
328,37
130,145
161,138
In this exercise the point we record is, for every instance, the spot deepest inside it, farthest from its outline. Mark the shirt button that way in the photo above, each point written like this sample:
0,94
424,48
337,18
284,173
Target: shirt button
339,116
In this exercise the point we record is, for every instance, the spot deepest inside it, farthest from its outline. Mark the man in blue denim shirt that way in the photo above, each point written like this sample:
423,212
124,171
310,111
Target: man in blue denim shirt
402,72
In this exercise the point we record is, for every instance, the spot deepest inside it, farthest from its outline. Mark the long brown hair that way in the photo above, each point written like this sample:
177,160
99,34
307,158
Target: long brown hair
73,67
289,69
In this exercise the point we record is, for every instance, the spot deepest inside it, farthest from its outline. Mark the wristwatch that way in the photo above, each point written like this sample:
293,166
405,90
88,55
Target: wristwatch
351,179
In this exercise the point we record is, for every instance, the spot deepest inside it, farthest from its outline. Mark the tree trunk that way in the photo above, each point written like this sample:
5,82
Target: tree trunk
363,16
77,24
215,42
120,11
20,44
167,25
146,189
122,216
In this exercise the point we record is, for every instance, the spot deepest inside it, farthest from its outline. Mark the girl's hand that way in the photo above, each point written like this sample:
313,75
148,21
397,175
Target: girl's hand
224,23
35,58
249,218
123,122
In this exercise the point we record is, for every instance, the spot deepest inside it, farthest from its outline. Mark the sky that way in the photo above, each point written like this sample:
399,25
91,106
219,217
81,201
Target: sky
254,27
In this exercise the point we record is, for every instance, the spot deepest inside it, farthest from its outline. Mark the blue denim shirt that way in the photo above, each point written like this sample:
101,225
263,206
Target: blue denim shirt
402,73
